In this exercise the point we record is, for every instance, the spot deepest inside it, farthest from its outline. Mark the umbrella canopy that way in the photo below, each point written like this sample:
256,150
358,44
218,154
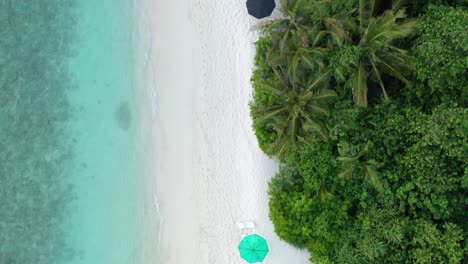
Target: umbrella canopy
260,8
253,248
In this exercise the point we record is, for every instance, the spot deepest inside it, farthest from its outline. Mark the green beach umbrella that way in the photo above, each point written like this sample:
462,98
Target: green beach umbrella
253,248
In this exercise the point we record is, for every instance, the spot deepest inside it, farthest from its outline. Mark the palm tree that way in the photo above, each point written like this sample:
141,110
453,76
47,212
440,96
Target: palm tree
302,40
379,55
291,39
356,164
331,29
295,118
297,38
294,25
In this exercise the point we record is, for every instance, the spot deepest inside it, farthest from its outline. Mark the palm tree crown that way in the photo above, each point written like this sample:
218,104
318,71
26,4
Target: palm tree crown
296,116
378,54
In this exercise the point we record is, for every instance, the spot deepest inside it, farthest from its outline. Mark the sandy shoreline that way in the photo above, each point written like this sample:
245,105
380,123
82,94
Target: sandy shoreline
208,170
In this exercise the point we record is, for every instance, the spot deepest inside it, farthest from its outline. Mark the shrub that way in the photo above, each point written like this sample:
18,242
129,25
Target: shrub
441,57
417,7
302,205
417,216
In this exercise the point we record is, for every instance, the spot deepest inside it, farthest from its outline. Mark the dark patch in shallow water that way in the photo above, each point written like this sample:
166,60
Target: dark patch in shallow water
123,116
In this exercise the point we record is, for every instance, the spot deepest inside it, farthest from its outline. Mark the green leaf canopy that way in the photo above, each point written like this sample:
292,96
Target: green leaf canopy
253,248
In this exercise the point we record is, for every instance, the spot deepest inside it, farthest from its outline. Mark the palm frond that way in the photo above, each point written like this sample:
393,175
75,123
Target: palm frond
316,127
347,159
386,29
293,129
376,73
334,39
325,94
347,20
398,4
320,110
269,113
319,36
392,70
270,26
336,26
322,193
293,7
313,57
360,85
274,57
293,68
367,8
346,172
281,146
284,40
271,89
282,77
372,177
338,73
315,82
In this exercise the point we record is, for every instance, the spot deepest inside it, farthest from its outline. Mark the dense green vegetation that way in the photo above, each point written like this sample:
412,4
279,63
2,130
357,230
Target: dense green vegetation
364,104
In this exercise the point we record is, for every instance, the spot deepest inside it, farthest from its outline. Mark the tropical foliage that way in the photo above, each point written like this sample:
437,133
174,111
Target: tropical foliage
417,7
441,53
371,134
296,113
378,54
420,185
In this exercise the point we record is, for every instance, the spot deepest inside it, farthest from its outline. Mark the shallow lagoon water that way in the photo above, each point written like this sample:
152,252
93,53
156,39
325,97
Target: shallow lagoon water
71,163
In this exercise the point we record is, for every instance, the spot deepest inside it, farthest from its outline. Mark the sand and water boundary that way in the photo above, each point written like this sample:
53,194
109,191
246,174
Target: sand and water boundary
207,167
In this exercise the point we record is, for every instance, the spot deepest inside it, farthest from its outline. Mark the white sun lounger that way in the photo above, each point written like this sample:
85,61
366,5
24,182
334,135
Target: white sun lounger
246,227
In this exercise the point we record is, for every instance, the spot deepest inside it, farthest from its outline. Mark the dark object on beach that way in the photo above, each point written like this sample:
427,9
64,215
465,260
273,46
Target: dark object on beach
260,8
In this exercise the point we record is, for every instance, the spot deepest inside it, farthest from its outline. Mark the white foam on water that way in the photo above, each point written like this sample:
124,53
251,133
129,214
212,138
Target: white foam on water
148,63
161,219
147,56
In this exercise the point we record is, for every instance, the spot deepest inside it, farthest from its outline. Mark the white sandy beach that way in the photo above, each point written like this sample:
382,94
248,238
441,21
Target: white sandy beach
208,170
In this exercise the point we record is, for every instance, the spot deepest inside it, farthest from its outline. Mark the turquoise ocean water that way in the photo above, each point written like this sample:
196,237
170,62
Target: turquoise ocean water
71,160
